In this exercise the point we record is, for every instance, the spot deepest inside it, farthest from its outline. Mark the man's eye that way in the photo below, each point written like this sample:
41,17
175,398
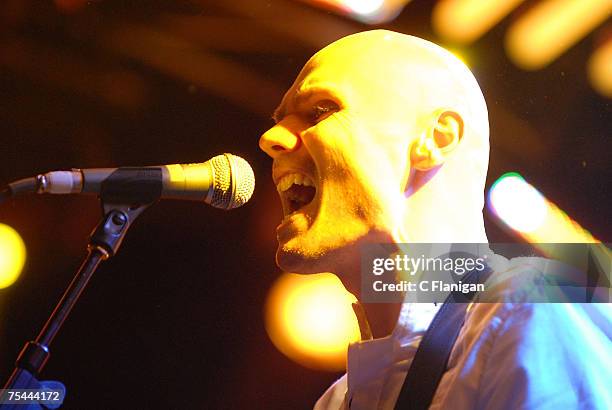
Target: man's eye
323,109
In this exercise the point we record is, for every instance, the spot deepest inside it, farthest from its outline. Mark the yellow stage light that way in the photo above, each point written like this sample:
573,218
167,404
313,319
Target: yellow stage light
464,21
528,213
600,69
310,319
550,28
12,255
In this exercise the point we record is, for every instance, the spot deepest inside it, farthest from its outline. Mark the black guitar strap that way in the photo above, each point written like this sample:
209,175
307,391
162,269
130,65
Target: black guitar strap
431,358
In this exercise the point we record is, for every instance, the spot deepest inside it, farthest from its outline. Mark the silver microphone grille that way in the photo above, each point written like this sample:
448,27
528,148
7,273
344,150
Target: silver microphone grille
233,181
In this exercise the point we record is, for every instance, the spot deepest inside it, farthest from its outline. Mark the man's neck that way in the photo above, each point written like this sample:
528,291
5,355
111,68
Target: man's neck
381,317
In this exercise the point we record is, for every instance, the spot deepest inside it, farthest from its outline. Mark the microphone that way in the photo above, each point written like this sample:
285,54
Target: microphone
225,181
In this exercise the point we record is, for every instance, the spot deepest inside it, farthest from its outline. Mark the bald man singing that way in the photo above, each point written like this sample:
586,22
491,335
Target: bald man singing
383,138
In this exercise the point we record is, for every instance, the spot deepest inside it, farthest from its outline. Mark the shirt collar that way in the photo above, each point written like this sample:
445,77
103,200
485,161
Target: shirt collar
368,360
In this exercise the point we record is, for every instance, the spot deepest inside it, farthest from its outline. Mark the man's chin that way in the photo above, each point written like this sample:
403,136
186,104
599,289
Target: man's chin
297,262
305,260
294,262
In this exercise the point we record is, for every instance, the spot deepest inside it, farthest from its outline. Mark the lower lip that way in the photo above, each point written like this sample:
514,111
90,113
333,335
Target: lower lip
291,225
287,221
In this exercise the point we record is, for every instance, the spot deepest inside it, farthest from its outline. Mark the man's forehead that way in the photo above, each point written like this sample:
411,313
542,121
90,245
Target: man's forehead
358,63
331,70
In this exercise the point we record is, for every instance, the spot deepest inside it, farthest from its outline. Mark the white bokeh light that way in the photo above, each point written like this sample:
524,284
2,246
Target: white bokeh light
364,6
517,203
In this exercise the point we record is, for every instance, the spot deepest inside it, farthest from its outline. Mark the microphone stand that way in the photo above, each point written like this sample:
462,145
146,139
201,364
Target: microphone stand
103,244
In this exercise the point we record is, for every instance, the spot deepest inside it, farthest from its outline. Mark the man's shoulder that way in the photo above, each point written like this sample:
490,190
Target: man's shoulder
538,355
546,351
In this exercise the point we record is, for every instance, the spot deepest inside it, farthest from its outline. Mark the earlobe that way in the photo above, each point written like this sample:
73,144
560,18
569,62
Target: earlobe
438,141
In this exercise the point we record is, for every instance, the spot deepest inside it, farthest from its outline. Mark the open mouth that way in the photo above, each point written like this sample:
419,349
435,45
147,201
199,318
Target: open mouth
296,191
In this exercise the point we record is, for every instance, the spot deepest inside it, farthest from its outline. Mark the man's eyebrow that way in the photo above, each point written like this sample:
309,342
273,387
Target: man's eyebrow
300,97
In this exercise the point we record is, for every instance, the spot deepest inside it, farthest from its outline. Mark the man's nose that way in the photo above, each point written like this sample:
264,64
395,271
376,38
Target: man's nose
278,140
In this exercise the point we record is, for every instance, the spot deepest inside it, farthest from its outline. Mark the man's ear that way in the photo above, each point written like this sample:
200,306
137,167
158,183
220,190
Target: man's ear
438,141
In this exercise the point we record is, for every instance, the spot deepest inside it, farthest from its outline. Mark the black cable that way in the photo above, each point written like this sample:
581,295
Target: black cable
22,186
5,194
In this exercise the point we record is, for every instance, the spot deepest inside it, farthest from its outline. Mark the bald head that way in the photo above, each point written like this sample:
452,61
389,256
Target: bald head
392,130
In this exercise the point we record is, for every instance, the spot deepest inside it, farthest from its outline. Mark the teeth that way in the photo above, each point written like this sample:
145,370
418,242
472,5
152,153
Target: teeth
299,179
285,183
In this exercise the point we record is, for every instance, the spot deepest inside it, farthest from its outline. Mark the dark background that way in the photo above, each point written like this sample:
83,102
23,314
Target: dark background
175,319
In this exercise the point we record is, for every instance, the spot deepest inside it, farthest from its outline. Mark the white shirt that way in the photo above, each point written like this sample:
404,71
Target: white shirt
510,355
